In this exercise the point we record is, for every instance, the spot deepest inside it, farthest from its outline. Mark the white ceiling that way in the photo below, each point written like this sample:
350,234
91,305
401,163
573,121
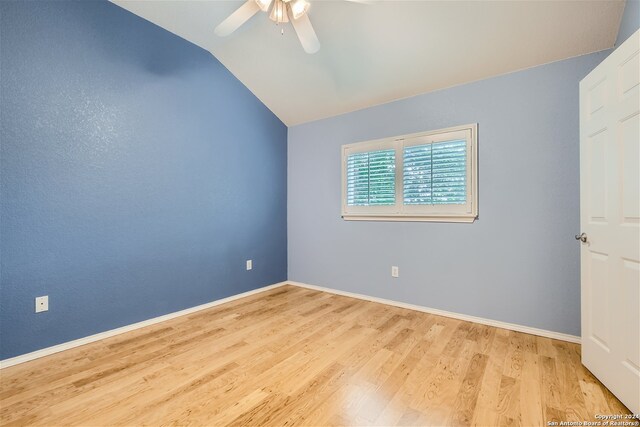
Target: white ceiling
386,50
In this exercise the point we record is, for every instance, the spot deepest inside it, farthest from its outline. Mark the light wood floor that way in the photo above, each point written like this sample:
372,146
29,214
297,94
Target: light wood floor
293,356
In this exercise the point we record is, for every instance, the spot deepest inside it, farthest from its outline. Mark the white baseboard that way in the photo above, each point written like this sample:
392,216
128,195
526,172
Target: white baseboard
488,322
102,335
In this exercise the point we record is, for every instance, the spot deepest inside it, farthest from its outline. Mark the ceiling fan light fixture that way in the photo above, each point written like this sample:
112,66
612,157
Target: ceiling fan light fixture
264,4
279,12
298,8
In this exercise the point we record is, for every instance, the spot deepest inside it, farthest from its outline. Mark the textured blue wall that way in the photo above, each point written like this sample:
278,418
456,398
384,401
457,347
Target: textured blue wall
137,175
518,263
630,21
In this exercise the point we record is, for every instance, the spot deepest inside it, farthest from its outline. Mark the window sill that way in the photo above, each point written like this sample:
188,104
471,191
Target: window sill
408,218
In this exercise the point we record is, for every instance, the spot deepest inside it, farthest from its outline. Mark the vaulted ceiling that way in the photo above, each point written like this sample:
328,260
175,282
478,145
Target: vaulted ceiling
386,50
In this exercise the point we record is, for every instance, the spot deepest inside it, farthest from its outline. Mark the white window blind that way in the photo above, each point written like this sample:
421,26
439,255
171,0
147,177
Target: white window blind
435,173
371,178
429,176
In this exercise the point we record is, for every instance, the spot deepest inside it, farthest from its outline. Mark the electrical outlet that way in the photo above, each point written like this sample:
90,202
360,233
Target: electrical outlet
42,304
249,264
395,271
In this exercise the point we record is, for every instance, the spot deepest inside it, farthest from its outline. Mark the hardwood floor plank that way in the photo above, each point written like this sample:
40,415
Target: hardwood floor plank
513,363
508,397
467,398
531,391
486,413
550,383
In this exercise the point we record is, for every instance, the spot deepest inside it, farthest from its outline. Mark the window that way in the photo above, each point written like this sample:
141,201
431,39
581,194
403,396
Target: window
430,176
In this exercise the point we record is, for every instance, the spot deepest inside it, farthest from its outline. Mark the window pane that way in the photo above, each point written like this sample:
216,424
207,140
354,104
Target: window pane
371,179
435,174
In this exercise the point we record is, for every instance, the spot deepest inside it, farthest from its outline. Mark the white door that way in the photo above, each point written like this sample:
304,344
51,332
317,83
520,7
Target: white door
610,221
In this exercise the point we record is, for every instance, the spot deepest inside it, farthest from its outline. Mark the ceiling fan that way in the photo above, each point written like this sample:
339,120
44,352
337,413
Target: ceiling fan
281,11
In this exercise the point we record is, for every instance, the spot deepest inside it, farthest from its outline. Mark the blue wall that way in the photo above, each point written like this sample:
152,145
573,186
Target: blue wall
630,21
518,263
137,175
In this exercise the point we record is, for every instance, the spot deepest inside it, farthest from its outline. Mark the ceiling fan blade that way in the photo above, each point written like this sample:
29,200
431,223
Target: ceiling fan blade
306,34
237,18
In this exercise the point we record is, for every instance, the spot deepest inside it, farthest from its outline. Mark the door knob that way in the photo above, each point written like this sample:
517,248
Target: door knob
582,237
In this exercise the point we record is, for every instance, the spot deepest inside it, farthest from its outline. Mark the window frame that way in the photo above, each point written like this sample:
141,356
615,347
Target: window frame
401,212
